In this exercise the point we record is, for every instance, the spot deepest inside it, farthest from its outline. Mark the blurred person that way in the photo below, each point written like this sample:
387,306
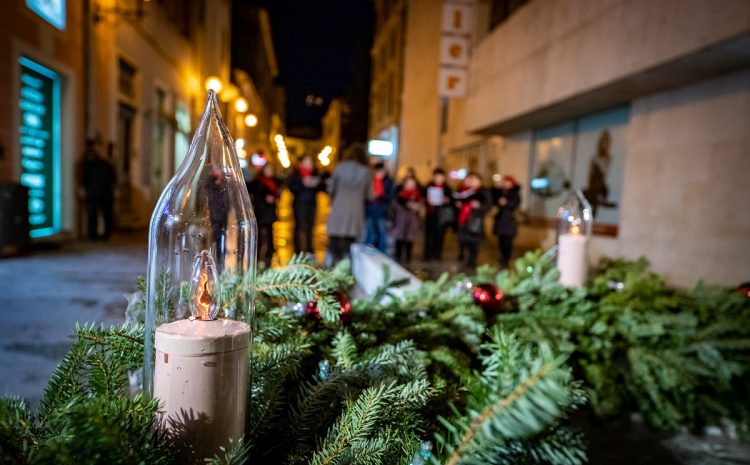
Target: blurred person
506,197
98,182
376,210
411,173
439,214
406,221
265,190
349,187
472,202
305,185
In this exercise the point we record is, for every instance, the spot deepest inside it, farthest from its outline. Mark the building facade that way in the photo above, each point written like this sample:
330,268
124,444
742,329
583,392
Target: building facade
130,74
644,105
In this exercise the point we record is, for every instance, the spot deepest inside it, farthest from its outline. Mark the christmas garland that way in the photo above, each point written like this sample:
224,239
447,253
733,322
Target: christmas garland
322,391
445,375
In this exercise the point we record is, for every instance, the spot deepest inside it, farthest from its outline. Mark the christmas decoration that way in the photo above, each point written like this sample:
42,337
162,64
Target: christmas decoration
346,308
489,297
312,312
744,288
373,392
202,242
574,226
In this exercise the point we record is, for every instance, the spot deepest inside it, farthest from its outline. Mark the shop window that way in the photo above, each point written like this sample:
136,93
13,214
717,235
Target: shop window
587,153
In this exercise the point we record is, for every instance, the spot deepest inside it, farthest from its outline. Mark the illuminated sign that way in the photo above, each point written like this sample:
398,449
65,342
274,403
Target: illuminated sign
52,11
39,107
382,148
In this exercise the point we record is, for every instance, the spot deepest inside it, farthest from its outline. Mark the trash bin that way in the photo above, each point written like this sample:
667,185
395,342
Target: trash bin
14,219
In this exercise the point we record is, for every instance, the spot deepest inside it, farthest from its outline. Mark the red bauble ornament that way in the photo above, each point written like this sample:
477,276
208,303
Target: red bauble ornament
745,289
346,309
489,297
312,312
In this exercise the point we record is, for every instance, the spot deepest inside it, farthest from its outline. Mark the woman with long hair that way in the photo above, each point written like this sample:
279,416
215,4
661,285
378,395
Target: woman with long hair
350,187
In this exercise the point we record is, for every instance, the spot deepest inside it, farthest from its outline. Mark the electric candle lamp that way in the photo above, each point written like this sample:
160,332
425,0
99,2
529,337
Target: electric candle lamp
574,226
196,347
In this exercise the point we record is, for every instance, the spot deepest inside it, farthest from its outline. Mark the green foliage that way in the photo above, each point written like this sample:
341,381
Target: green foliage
678,357
319,393
514,409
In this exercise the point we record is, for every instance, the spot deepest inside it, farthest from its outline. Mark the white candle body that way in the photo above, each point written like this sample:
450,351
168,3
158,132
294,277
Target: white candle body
200,379
572,259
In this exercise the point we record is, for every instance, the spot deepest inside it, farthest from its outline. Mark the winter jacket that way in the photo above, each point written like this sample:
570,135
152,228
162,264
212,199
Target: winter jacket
379,206
505,218
305,198
349,187
472,229
265,212
406,223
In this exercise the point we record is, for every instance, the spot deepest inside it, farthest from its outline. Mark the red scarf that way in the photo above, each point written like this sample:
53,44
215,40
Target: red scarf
269,183
465,213
304,172
377,186
411,194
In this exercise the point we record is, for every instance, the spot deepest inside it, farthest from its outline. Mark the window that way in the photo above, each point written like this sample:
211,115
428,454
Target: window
182,135
126,82
39,108
587,153
52,11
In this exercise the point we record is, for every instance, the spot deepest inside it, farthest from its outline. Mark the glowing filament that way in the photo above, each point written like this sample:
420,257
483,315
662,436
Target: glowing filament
204,301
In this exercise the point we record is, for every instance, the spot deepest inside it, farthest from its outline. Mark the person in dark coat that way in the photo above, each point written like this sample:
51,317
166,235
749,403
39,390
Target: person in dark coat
349,187
265,190
98,182
472,202
506,197
439,214
406,220
305,184
376,210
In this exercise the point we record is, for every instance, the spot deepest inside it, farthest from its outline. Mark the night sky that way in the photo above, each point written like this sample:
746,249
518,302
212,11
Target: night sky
322,48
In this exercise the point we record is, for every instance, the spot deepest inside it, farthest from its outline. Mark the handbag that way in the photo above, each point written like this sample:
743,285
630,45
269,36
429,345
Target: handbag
446,215
475,225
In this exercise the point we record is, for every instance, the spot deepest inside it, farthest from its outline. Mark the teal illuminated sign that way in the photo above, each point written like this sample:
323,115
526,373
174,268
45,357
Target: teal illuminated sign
53,11
39,107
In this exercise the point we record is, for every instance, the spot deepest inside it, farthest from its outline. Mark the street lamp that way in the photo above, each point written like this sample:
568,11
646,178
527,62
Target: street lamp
251,120
214,83
241,105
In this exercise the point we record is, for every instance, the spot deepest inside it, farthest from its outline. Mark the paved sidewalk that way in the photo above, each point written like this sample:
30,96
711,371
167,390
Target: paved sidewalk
44,296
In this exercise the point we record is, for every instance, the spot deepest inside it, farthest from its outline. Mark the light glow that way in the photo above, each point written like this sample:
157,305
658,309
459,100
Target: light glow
241,105
251,120
382,148
325,155
283,154
214,83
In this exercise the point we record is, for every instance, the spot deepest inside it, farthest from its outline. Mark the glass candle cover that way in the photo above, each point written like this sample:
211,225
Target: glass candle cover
574,227
200,291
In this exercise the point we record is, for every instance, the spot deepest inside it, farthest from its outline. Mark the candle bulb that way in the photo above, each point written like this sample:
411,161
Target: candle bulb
574,222
197,342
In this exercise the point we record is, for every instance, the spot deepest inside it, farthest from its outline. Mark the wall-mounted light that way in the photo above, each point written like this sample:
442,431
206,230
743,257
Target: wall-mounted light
214,83
251,120
241,105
